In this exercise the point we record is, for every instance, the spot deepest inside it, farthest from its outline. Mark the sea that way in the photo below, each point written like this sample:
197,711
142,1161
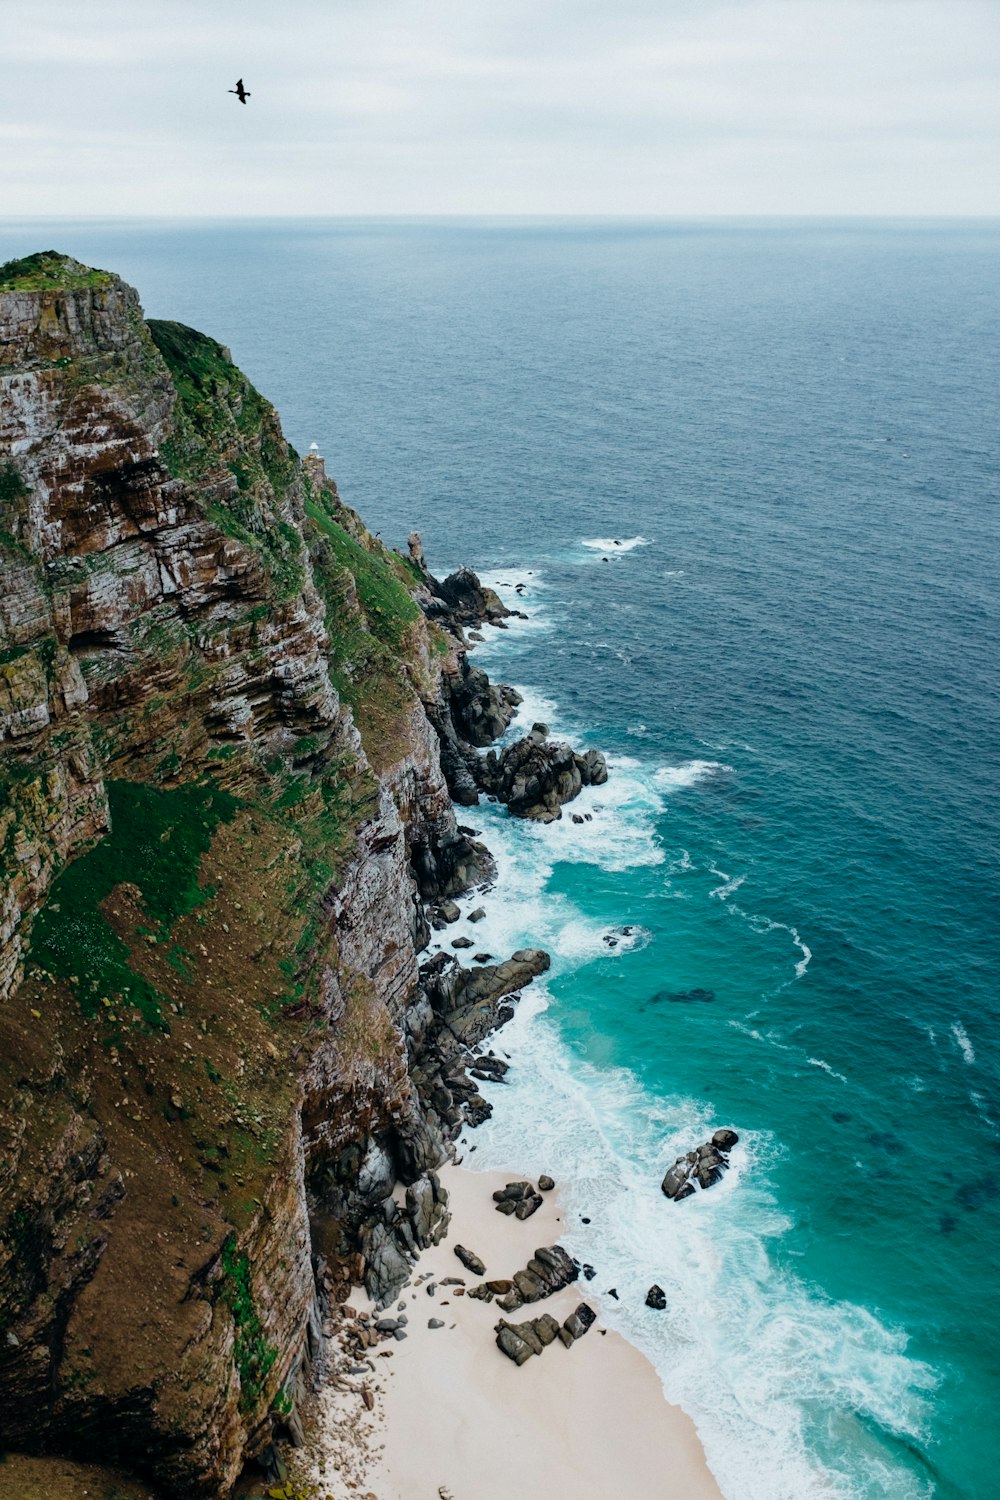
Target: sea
741,479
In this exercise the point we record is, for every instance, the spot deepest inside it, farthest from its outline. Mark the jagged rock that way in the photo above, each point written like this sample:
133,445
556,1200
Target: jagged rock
427,1207
470,1260
510,1342
703,1166
525,1207
492,1065
656,1298
387,1269
519,1341
468,601
375,1175
477,1110
547,1328
578,1322
530,1287
514,1191
548,1271
535,775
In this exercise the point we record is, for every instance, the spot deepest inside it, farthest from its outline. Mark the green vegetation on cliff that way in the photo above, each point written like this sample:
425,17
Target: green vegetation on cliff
46,271
156,843
253,1355
220,420
370,617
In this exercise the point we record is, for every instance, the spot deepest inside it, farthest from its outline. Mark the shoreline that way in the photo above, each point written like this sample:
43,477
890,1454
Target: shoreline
452,1417
443,1413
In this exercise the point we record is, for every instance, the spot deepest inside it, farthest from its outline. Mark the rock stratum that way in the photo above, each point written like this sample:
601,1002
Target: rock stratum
231,727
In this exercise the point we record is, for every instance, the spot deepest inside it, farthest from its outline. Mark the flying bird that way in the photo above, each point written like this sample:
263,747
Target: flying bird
241,93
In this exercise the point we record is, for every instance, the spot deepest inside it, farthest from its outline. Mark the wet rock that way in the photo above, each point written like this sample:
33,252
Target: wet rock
704,1166
477,1109
656,1298
478,914
448,911
535,776
495,1066
545,1184
461,942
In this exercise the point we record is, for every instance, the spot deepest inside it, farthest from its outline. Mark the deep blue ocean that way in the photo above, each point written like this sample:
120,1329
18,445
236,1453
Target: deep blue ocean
791,660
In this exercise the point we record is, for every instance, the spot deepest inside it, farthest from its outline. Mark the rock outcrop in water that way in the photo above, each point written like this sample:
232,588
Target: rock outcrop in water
701,1168
536,775
229,722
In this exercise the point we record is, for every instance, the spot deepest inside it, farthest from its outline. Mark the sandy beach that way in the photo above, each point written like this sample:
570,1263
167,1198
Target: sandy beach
453,1419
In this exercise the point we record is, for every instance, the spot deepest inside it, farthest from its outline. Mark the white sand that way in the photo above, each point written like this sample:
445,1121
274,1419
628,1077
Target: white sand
455,1419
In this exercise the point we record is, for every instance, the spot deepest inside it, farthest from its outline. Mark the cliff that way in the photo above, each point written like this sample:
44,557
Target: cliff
223,707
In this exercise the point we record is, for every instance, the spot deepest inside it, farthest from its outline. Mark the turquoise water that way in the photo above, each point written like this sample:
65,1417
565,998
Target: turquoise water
795,673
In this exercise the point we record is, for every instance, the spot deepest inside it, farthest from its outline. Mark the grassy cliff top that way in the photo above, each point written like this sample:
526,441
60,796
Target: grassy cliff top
47,270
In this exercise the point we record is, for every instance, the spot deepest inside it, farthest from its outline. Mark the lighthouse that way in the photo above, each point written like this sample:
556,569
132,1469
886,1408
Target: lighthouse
315,465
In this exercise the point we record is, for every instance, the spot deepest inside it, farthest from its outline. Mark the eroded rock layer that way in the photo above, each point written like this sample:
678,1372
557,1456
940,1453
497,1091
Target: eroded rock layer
226,717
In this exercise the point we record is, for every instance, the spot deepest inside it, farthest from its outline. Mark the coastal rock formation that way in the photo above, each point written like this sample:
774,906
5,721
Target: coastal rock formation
548,1271
536,775
228,728
519,1341
702,1167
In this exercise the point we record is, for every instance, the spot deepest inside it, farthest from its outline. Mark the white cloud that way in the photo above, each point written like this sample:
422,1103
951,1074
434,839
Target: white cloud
423,106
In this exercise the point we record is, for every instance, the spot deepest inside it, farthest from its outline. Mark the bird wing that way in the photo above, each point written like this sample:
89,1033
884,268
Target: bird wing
239,85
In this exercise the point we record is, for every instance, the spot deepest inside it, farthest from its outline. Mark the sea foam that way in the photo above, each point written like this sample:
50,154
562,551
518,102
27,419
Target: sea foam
753,1354
766,1365
614,545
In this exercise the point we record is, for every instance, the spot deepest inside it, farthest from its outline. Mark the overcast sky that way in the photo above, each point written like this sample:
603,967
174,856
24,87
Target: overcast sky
500,106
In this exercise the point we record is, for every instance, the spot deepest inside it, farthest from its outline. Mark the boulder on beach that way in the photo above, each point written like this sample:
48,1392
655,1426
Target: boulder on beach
470,1260
578,1322
545,1184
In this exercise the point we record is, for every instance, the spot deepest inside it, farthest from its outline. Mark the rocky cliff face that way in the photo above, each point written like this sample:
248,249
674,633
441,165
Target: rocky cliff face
221,805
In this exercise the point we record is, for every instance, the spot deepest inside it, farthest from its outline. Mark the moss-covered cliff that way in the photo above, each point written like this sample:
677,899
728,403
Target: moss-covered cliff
221,802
